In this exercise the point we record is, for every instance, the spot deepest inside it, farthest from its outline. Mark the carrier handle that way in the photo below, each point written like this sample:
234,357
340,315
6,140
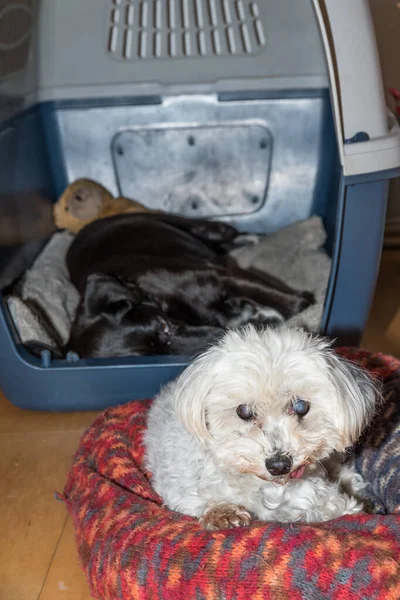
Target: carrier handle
368,136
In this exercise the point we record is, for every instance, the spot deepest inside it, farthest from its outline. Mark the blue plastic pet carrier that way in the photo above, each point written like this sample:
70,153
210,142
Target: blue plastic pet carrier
292,87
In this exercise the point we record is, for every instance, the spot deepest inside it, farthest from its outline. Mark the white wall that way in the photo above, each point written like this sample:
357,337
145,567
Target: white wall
386,15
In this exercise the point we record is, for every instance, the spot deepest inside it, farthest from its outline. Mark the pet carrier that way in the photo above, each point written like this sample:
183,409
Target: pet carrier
256,112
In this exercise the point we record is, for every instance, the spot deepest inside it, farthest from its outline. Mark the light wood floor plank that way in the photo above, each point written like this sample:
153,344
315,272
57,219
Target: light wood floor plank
32,467
65,579
13,419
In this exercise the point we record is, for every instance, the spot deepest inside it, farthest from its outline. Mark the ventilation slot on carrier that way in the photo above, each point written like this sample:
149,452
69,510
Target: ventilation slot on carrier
153,29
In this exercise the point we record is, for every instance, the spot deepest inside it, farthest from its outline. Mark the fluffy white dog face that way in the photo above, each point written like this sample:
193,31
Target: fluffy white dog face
269,403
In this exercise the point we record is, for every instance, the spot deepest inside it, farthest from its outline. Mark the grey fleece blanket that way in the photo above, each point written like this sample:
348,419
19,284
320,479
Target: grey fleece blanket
295,255
44,304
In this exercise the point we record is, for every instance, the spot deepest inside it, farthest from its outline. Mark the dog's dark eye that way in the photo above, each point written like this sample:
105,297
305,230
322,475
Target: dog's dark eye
245,412
78,197
299,407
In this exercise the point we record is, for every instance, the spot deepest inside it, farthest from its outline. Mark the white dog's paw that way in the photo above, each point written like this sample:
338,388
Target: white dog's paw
225,516
352,506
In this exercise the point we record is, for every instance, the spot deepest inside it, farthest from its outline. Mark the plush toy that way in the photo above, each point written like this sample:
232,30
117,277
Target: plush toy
85,200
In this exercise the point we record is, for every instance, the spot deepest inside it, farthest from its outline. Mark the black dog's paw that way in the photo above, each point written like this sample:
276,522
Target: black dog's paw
307,299
260,321
215,231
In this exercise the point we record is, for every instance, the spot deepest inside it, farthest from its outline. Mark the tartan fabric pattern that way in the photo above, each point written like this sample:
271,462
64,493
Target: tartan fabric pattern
133,548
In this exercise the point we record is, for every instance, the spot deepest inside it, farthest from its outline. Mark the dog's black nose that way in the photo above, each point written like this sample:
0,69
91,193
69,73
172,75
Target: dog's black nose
279,465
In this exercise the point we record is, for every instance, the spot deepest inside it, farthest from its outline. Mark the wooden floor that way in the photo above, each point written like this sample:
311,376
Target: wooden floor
37,553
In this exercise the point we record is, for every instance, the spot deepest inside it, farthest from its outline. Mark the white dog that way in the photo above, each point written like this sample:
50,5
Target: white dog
245,432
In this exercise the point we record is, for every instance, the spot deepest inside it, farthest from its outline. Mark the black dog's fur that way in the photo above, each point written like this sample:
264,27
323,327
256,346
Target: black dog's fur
159,284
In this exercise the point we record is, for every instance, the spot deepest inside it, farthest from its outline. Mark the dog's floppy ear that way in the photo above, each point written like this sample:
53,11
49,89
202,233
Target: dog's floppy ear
358,395
192,391
104,294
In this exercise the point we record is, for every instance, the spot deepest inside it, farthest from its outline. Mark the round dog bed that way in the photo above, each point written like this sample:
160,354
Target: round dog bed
132,547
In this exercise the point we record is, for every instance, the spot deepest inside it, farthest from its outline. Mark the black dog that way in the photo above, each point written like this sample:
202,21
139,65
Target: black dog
160,284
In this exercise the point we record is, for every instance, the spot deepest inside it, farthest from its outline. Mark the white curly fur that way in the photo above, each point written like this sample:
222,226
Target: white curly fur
202,454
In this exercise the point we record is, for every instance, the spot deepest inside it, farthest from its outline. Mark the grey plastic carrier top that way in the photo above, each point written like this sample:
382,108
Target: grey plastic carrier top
286,96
